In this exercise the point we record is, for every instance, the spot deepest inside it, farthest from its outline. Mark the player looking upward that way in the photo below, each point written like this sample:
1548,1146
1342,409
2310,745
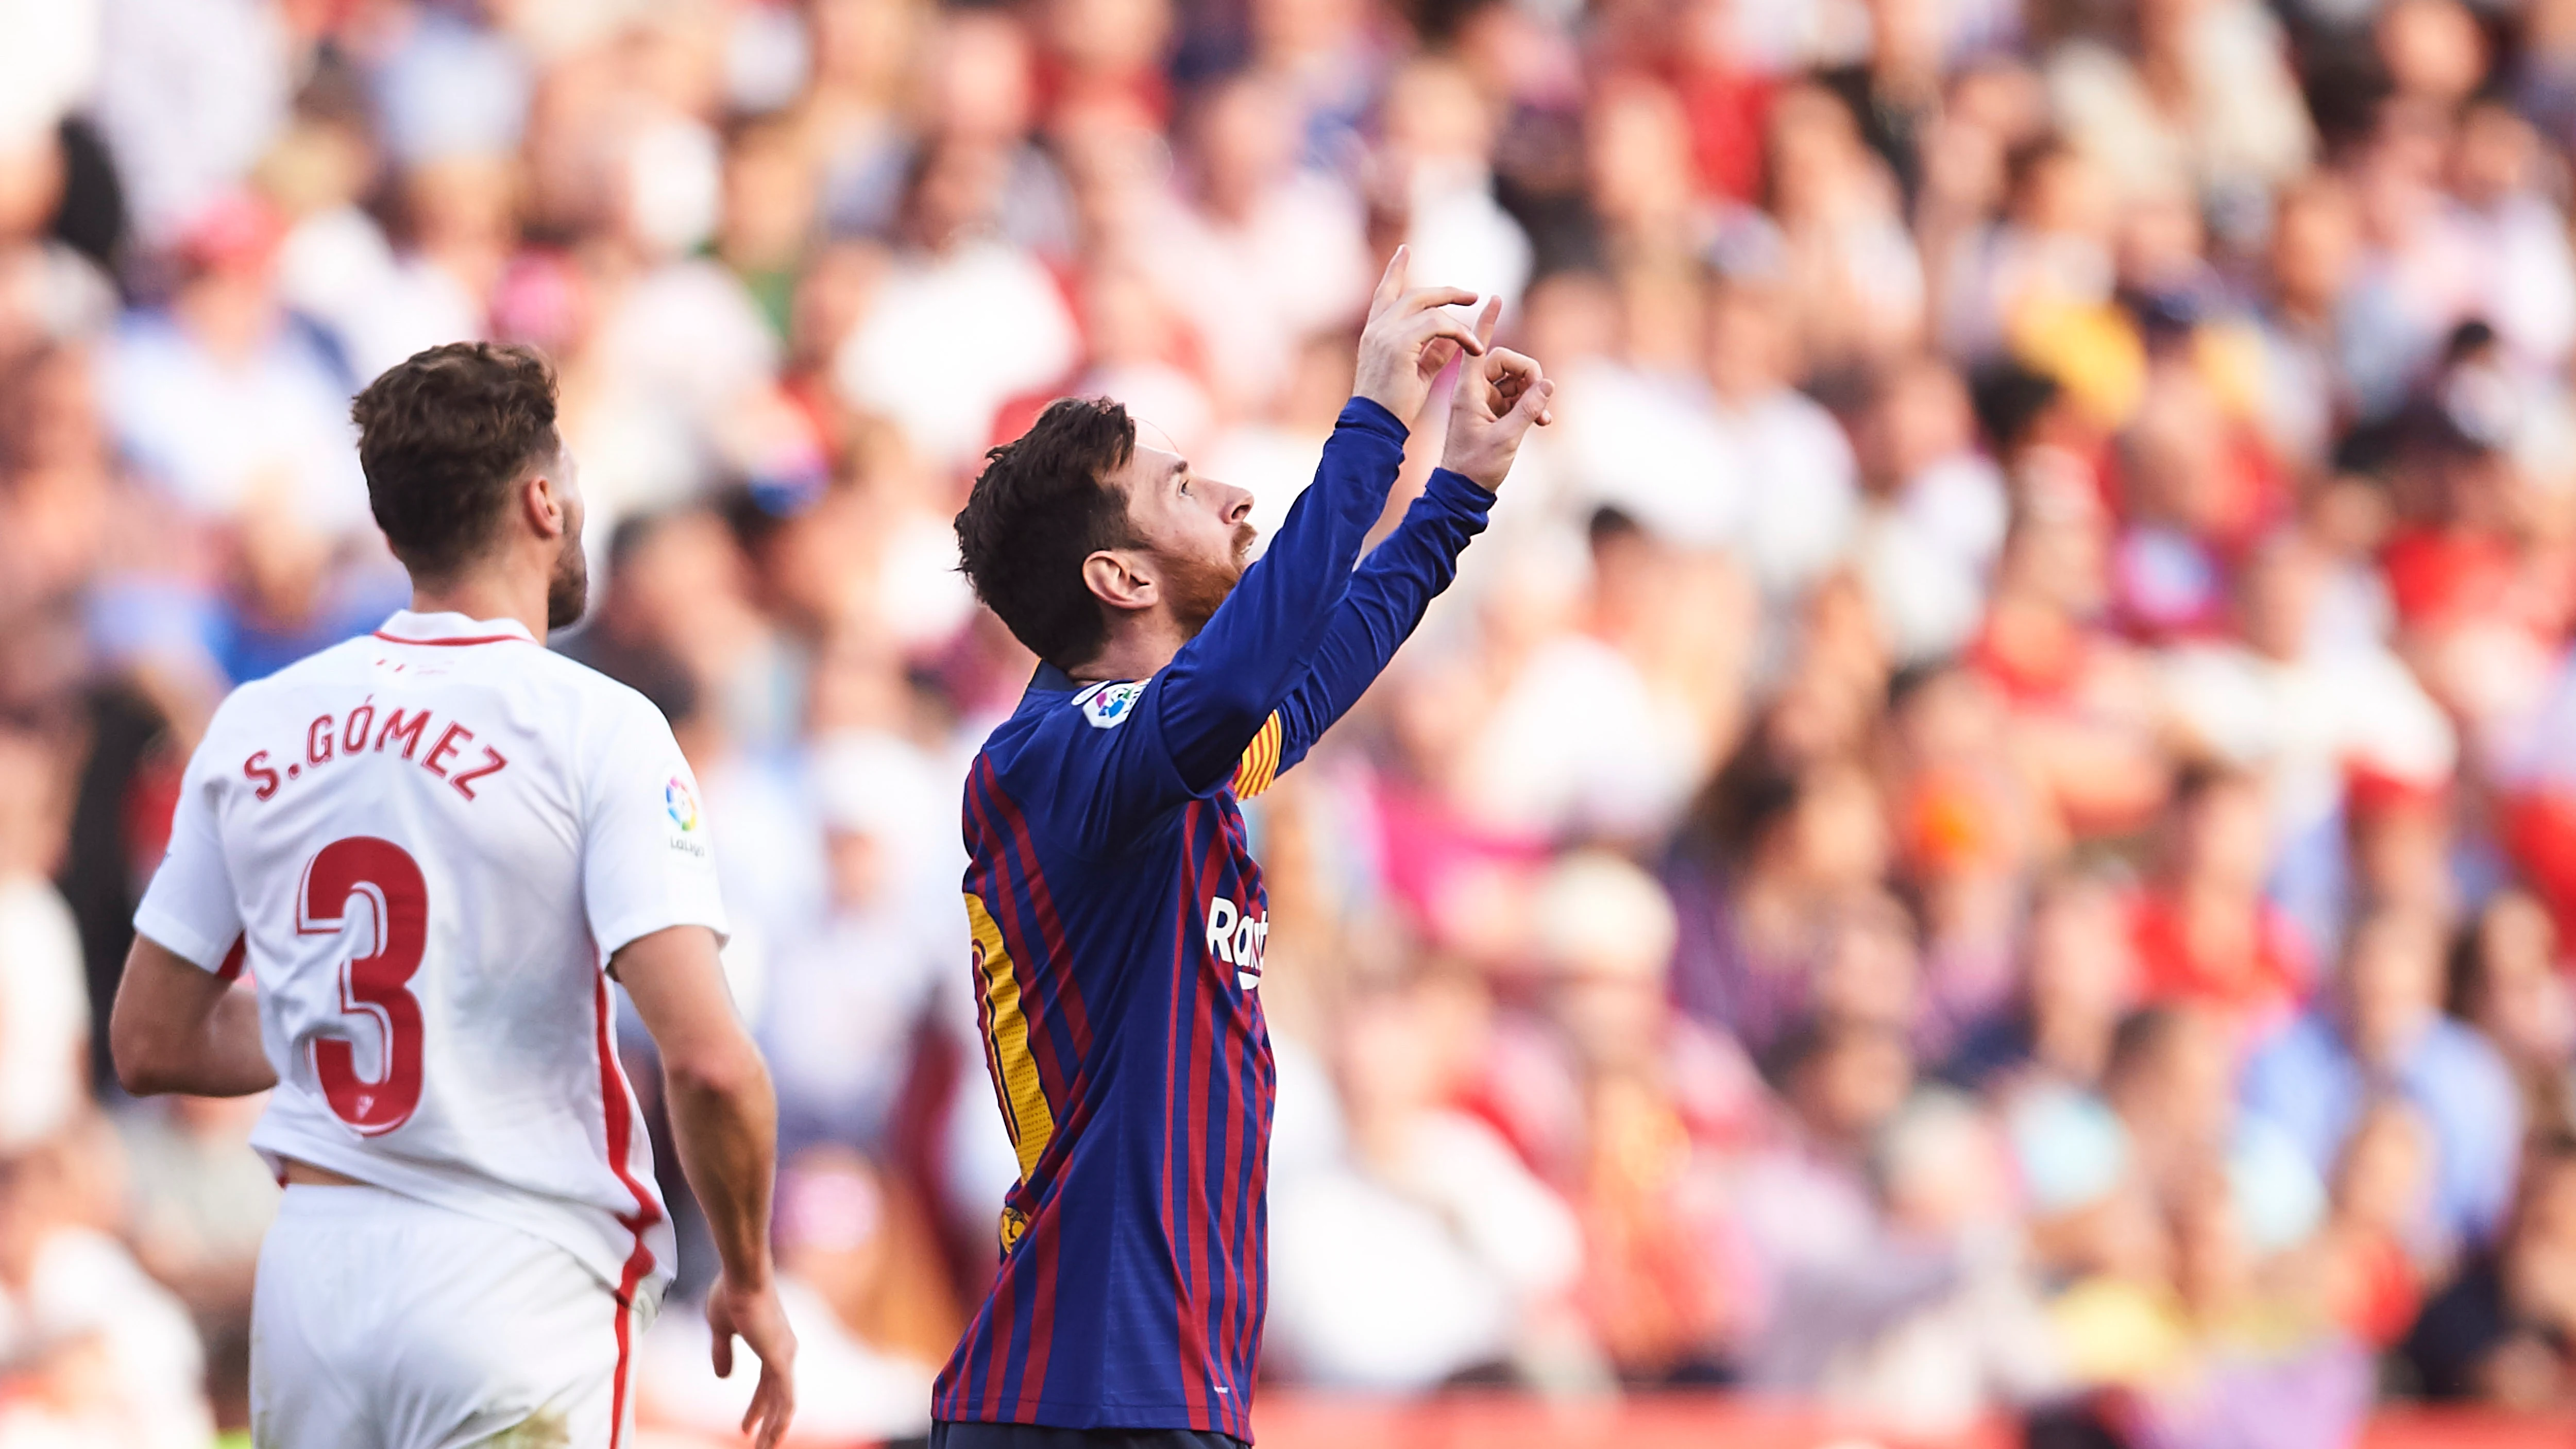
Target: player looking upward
1117,911
430,848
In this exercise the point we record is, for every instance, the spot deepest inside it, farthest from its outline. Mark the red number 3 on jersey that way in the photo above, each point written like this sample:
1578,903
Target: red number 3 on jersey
384,878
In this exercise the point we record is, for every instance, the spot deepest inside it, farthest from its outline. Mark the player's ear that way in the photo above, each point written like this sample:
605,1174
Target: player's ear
546,506
1121,579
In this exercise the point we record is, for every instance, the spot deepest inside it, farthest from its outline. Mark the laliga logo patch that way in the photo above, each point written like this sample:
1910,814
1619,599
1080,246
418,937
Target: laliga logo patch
1107,706
681,804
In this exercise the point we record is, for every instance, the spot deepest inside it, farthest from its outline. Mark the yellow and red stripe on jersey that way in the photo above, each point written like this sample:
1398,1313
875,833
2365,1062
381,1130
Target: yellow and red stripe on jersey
1006,1040
1260,761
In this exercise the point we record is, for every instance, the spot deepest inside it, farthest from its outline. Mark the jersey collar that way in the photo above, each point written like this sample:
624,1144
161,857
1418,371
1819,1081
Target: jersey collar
406,627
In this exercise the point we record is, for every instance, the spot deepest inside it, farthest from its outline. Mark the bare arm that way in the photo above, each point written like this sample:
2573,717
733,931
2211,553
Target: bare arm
176,1028
724,1118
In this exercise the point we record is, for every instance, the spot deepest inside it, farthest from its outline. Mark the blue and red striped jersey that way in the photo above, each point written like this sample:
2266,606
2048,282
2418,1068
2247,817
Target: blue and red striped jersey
1119,926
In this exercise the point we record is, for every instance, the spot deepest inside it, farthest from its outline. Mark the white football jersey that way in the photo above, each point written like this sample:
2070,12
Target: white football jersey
424,845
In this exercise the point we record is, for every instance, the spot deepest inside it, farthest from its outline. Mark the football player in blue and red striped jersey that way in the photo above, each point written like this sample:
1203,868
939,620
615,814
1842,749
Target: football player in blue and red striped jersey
1117,911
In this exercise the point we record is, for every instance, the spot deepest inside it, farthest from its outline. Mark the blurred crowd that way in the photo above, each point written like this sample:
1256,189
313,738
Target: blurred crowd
1991,830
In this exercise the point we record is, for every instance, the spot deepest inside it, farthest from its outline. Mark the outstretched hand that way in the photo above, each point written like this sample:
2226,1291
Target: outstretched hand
1408,339
1498,401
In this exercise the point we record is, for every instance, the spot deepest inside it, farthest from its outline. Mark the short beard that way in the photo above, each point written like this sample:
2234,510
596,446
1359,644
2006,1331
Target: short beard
1196,589
568,590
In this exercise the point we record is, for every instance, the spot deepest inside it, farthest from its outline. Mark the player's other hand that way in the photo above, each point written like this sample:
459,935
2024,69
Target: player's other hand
1408,339
1498,401
757,1316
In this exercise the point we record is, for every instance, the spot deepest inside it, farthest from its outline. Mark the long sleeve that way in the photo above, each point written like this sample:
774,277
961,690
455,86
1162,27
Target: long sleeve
1222,686
1129,751
1383,606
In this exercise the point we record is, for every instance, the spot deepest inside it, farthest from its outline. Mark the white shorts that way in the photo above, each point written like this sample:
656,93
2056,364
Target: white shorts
382,1322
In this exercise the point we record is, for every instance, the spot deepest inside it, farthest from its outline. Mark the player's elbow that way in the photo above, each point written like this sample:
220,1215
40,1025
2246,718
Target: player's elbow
148,1063
727,1070
158,1028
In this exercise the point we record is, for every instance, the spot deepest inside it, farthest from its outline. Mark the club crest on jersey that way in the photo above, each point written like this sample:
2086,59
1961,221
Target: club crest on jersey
1107,706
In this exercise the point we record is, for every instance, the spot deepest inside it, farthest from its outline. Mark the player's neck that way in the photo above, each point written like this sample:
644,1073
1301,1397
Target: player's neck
487,596
1137,648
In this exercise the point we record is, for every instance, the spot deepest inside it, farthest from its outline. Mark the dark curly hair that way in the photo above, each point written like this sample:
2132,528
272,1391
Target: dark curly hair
442,436
1044,504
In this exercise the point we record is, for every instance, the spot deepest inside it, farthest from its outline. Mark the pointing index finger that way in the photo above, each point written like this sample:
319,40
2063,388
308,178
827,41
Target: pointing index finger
1390,285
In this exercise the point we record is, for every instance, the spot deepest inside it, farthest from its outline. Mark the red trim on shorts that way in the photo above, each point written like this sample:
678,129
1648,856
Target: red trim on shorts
620,1133
636,1265
451,643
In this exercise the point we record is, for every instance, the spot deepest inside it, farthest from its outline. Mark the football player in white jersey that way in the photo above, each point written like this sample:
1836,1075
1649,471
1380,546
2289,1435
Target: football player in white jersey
425,852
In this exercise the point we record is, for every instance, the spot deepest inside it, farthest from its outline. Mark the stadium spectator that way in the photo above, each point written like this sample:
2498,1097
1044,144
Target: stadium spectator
2500,1331
2079,979
2386,1034
44,998
2505,982
2205,933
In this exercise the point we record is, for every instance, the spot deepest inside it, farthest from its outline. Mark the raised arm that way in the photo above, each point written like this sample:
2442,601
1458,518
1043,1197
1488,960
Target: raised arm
1221,687
1385,602
1494,409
